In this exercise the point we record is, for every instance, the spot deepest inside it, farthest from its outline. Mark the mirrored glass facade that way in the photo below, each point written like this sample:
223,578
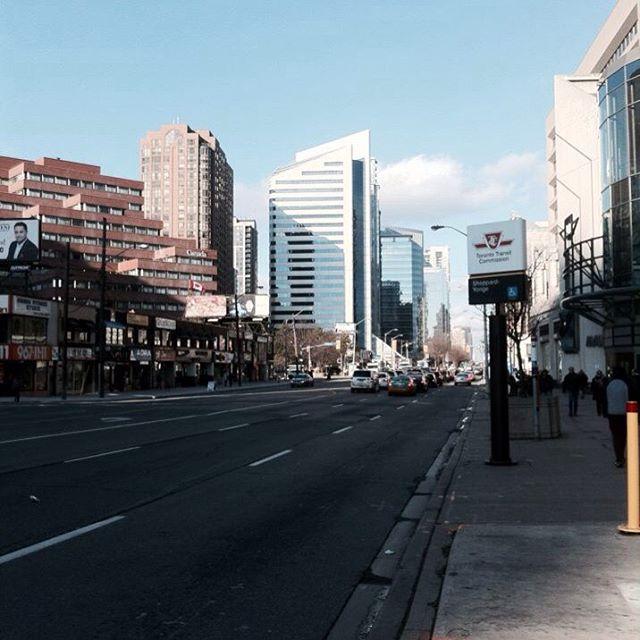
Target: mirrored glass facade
619,104
402,285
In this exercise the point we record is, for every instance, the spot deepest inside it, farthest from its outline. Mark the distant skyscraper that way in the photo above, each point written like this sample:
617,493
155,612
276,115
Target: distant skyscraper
324,237
245,255
402,285
188,184
438,257
438,320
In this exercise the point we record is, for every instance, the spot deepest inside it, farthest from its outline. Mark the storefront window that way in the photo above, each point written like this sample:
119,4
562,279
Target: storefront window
28,330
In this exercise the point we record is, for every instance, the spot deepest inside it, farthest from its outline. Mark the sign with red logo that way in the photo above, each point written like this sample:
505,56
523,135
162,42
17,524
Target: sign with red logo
25,352
497,247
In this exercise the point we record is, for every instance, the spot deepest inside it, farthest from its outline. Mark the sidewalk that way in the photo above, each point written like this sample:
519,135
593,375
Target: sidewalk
148,393
536,553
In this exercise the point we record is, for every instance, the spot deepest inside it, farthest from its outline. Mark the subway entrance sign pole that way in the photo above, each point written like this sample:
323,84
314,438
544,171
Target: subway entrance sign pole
497,261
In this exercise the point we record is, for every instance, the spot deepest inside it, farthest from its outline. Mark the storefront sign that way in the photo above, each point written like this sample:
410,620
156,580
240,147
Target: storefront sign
196,254
31,307
140,354
25,352
73,353
165,354
137,319
262,339
497,247
224,357
165,323
194,355
510,287
206,306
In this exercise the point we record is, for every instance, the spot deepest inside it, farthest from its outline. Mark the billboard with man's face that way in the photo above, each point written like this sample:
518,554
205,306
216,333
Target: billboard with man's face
19,241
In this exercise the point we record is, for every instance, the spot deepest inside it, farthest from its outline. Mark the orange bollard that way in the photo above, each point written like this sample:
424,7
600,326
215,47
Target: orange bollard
633,472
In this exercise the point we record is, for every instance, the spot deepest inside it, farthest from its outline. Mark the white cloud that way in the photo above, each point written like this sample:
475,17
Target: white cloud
428,187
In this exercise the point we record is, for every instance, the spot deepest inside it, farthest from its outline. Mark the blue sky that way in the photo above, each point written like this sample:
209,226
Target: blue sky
455,93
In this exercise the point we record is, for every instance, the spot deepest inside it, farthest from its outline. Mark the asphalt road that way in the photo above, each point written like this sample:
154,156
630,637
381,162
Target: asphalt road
246,515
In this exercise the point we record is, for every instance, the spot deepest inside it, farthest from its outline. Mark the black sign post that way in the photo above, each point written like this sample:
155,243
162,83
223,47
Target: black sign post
498,388
494,289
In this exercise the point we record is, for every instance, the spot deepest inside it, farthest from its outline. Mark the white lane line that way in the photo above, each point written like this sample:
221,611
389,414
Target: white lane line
413,401
375,417
335,406
235,426
341,430
115,419
100,455
57,539
402,406
298,415
146,422
273,457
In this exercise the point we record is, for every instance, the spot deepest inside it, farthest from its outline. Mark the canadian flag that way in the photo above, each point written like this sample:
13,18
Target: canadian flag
196,286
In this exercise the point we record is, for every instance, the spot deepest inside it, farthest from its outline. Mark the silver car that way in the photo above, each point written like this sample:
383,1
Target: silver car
364,380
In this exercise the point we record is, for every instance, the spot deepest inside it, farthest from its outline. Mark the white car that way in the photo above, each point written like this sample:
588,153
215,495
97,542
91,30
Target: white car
364,380
383,380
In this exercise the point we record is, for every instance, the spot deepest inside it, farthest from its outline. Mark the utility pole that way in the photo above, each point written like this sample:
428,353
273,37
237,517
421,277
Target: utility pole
100,328
295,342
238,341
65,323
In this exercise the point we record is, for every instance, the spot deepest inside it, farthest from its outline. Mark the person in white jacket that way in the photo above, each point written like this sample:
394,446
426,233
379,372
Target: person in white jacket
617,394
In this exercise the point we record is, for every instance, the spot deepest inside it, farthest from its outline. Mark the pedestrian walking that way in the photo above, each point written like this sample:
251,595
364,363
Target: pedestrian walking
571,385
598,386
584,382
15,388
617,394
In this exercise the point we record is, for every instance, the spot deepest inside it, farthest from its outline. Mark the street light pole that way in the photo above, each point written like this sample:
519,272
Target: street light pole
238,342
65,323
100,328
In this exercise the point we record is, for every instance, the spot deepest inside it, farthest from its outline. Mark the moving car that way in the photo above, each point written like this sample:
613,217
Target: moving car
383,380
418,378
464,378
364,380
402,386
431,379
301,380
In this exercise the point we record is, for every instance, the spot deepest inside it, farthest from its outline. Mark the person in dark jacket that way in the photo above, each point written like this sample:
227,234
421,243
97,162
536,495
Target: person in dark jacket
617,394
571,385
598,386
547,383
16,387
584,382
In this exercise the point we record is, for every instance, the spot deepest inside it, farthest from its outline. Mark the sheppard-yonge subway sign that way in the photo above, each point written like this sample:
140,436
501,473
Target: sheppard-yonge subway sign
498,250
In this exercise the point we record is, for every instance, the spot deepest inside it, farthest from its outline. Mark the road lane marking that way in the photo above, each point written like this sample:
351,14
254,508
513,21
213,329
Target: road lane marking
100,455
57,539
341,430
115,419
146,422
335,406
375,417
402,406
413,401
298,415
235,426
273,457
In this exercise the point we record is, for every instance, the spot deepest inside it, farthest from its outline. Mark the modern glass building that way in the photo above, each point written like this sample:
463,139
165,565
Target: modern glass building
324,237
402,285
619,101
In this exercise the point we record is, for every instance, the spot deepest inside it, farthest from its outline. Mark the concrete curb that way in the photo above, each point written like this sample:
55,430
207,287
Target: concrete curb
378,607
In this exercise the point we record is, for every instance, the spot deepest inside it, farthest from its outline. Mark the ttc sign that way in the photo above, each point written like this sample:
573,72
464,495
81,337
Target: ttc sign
497,247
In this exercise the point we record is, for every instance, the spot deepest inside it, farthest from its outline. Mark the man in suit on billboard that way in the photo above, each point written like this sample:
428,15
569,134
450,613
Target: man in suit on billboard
22,249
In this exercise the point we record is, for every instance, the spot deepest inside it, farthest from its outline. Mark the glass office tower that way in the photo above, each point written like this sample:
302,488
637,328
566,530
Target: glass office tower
323,232
402,285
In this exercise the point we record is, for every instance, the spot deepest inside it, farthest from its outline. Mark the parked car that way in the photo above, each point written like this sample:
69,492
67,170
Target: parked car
383,380
464,378
402,386
301,380
364,380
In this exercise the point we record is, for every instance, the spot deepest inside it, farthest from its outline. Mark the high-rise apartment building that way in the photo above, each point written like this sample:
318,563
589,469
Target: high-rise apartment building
402,285
324,237
188,185
245,255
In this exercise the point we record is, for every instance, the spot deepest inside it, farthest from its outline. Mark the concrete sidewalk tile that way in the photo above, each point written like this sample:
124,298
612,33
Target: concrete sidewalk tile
551,581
